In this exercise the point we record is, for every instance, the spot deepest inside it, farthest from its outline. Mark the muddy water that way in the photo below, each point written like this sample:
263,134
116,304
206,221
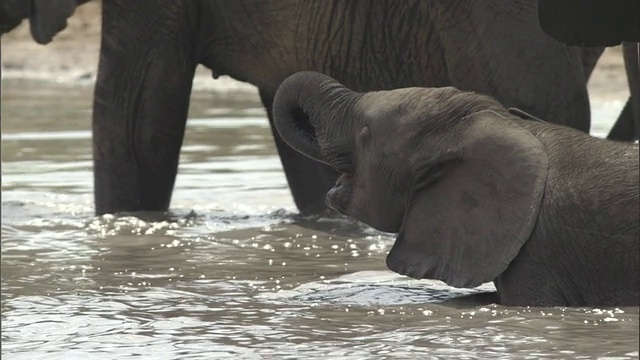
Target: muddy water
231,271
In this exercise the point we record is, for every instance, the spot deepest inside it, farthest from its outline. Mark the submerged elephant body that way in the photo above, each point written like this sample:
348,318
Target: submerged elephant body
475,192
584,249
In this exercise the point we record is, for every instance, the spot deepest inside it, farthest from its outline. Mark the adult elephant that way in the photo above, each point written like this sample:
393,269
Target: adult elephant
149,51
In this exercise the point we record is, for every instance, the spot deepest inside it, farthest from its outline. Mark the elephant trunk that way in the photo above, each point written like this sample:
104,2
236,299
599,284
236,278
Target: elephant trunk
46,17
12,12
309,109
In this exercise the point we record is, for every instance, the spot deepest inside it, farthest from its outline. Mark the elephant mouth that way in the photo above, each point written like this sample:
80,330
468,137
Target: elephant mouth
339,197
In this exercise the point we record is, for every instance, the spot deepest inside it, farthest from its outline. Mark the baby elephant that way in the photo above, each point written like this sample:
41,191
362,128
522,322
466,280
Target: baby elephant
475,192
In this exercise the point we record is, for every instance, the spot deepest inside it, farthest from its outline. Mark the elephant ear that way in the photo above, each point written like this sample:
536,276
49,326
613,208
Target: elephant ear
468,226
48,17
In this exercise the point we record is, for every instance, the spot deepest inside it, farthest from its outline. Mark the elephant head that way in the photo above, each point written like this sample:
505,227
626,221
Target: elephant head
46,17
449,171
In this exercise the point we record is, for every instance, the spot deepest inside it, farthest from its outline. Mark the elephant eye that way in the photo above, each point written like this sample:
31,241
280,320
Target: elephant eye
363,136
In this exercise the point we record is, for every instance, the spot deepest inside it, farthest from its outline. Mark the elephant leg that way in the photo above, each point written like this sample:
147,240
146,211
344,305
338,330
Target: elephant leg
308,179
624,127
627,127
590,57
140,106
632,65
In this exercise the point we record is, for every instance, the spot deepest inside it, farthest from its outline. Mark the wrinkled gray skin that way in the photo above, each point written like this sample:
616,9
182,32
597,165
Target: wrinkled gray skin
150,49
476,193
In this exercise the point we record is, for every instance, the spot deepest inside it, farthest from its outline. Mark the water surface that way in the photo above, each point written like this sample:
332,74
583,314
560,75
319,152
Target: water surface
232,271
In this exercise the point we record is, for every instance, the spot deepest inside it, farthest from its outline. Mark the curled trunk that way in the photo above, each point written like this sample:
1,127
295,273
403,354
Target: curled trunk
310,110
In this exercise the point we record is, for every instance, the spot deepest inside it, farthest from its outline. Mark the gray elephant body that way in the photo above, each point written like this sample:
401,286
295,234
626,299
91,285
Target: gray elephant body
476,193
150,50
584,248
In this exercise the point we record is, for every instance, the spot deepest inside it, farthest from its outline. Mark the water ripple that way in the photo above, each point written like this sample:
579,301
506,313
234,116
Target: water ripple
231,270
